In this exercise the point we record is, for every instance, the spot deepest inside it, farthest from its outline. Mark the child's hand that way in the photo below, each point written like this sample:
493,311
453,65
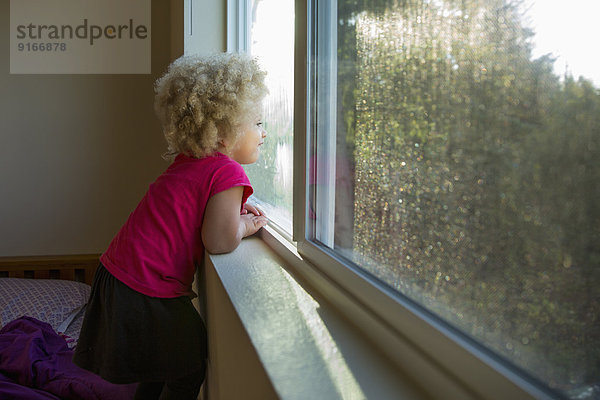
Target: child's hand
249,208
252,223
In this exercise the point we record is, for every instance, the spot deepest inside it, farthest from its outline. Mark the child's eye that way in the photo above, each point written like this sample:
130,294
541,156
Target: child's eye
259,124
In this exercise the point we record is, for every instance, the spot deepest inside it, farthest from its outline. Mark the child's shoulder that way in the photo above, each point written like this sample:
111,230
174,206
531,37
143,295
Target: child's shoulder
206,175
193,162
187,166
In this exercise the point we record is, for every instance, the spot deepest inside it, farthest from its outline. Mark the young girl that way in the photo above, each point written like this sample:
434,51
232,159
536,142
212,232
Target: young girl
140,325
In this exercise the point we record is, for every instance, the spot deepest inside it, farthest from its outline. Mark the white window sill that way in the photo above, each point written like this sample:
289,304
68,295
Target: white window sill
269,338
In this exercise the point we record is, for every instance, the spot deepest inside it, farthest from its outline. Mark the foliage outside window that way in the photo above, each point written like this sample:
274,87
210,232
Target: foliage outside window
467,177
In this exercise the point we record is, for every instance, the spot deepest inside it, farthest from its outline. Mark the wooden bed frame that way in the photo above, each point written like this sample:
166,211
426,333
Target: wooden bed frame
80,268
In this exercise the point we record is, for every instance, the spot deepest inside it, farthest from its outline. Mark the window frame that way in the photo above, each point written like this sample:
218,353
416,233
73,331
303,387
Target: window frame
440,358
238,25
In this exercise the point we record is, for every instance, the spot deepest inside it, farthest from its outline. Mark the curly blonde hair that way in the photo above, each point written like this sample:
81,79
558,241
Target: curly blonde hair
202,100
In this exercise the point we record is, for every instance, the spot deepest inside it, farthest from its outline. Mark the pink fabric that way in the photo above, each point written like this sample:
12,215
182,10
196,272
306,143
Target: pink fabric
156,250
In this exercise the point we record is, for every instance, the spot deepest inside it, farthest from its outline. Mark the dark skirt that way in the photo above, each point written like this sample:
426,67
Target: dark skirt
129,337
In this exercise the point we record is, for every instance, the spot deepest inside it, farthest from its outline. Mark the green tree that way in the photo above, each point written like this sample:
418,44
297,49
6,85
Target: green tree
476,176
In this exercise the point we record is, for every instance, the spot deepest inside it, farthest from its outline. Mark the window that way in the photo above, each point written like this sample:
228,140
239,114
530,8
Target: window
455,165
445,166
267,32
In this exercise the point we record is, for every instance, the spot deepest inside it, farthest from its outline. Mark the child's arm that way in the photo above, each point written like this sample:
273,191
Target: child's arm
224,227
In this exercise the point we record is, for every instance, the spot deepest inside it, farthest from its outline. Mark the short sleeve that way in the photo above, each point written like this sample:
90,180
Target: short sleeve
229,175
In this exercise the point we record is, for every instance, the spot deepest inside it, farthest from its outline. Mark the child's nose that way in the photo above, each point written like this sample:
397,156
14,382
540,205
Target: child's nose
264,133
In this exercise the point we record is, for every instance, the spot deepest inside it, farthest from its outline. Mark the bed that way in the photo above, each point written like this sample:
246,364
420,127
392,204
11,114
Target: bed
42,303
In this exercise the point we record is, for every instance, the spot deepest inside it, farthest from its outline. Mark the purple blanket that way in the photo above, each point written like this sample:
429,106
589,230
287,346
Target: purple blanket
35,363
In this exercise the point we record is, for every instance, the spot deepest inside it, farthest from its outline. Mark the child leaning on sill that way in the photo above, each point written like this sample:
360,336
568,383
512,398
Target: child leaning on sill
140,325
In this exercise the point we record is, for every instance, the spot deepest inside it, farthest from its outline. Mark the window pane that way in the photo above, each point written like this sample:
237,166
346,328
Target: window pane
466,163
272,41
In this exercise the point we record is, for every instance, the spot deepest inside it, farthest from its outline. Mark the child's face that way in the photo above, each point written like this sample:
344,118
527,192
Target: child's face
246,149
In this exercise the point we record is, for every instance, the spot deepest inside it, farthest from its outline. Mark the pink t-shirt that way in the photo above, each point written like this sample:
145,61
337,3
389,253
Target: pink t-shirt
156,251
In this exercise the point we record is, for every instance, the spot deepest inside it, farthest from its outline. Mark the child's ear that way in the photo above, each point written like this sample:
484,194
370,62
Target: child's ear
224,146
